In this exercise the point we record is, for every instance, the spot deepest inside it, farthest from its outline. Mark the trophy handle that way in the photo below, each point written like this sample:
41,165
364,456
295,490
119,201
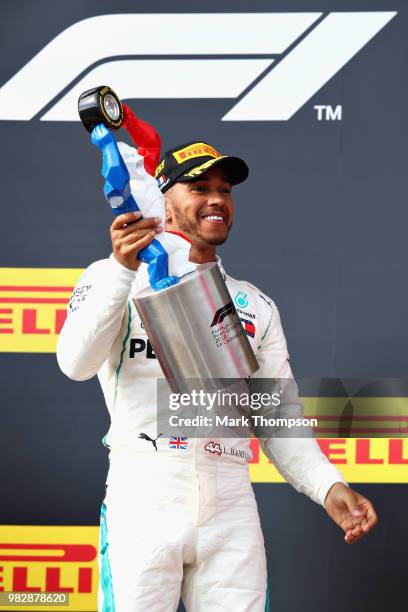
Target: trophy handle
145,137
116,186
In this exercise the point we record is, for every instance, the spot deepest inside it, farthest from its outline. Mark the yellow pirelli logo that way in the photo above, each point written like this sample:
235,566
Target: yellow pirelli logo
197,149
378,460
50,559
33,304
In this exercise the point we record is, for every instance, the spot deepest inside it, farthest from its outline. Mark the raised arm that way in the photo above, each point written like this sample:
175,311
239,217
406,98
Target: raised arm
99,300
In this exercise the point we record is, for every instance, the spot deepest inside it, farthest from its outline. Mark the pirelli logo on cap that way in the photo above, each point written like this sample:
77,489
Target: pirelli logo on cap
199,149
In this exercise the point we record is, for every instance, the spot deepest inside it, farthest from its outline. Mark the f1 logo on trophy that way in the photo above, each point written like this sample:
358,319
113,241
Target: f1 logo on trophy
187,313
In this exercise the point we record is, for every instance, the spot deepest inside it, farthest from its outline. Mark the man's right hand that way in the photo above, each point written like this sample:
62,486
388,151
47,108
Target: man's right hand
130,234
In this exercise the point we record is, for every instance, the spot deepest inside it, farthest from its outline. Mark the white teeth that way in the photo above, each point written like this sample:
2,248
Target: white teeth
214,218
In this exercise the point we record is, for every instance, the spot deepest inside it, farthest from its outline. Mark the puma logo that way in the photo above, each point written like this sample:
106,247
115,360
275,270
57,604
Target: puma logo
144,436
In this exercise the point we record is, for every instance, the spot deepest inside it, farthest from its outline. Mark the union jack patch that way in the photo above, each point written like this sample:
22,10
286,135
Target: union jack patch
179,443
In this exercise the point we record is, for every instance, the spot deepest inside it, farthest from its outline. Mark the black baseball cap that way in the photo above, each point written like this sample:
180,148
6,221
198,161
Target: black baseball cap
190,160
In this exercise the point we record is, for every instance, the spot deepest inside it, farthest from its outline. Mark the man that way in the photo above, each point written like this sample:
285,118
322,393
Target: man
184,519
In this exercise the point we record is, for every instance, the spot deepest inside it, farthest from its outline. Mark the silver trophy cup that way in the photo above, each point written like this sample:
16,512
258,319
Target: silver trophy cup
196,332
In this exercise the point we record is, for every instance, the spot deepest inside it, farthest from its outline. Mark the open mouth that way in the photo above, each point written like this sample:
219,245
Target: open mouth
214,218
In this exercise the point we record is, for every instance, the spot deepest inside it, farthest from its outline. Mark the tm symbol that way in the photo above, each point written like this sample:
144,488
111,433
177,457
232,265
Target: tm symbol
325,112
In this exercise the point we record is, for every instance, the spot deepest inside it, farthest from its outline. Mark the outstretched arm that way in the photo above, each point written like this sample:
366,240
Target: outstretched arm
300,460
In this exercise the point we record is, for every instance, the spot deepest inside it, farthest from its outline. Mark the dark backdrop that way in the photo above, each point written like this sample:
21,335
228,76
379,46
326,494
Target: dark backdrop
320,227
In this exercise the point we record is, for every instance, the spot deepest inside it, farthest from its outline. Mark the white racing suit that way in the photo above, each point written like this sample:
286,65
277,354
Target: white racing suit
182,518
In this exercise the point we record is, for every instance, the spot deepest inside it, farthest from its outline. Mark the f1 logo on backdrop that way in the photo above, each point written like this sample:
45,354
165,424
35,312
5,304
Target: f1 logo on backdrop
272,62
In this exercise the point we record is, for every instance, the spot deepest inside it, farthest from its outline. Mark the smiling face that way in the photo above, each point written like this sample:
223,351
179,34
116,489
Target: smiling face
202,209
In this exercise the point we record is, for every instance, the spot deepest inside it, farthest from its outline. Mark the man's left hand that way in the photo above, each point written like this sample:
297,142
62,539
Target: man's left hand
353,512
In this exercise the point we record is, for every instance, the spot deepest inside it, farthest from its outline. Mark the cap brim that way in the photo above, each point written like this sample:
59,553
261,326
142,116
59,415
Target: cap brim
236,169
